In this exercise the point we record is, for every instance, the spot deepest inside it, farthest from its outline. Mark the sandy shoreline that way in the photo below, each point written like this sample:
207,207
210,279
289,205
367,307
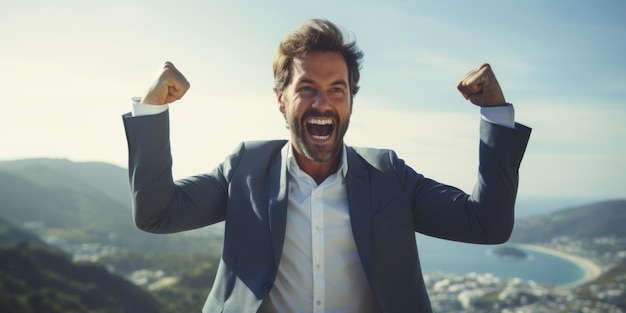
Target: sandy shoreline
592,270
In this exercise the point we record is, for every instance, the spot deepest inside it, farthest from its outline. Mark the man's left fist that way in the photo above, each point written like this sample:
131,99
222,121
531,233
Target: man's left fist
481,87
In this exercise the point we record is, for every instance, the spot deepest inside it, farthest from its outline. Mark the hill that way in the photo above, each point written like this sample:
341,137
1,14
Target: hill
45,194
35,277
85,209
586,222
10,235
84,203
106,178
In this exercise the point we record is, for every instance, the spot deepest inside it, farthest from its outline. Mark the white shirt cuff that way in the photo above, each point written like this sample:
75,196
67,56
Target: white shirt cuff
499,115
140,109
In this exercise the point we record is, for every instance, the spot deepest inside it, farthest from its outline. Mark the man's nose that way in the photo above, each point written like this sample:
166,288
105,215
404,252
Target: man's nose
321,101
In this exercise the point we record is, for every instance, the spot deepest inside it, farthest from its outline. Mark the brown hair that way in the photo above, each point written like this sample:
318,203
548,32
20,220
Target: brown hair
315,35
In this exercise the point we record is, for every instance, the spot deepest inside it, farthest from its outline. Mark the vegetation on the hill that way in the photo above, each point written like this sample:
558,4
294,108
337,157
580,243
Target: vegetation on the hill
36,278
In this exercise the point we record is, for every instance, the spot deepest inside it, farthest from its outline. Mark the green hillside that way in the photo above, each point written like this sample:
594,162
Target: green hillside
11,235
35,277
602,219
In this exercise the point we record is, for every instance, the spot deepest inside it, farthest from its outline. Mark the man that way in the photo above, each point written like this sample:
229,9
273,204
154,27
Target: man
313,225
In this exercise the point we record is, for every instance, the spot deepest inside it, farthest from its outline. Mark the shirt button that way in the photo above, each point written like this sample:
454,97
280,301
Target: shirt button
267,287
319,302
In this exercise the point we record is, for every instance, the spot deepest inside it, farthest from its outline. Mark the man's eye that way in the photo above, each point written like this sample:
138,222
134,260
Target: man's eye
336,90
306,89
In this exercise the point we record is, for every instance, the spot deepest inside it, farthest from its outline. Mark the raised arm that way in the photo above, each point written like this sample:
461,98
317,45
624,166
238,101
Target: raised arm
487,214
162,205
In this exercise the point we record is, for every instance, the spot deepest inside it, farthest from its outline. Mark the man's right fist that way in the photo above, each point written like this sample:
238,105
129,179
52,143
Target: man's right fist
168,87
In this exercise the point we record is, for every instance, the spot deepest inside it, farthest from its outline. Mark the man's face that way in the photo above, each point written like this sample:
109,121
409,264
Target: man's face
317,105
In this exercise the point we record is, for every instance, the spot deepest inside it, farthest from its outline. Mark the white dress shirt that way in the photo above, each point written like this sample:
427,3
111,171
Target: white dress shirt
320,269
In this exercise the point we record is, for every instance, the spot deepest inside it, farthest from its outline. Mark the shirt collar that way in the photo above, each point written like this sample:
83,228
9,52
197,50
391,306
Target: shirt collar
293,164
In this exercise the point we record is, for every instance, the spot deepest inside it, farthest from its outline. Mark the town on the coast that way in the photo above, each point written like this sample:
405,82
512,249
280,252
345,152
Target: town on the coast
485,293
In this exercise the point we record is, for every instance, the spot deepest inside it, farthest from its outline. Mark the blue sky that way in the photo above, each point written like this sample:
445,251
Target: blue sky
69,69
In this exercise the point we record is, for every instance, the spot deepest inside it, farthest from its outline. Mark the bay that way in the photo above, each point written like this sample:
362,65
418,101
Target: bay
442,256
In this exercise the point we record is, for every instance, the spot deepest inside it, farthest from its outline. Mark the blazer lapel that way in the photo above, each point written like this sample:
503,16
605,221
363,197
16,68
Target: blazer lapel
358,190
278,204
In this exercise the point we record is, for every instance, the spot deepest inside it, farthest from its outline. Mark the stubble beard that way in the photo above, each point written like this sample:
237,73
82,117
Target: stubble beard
313,151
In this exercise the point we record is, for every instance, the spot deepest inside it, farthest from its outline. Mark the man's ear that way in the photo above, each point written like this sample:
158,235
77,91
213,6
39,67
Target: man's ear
281,103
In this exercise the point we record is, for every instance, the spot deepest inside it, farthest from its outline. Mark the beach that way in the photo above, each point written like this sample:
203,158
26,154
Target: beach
592,270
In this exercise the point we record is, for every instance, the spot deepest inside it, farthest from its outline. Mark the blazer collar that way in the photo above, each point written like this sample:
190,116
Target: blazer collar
278,187
358,191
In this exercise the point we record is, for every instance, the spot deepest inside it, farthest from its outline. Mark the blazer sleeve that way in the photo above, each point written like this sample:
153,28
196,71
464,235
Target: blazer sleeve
487,214
160,204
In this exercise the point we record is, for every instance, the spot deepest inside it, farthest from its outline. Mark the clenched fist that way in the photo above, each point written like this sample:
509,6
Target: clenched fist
168,87
481,87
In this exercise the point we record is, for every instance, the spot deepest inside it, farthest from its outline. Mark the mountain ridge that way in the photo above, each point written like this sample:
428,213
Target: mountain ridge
587,221
78,202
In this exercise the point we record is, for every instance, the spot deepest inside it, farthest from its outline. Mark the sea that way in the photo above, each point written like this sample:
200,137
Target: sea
443,256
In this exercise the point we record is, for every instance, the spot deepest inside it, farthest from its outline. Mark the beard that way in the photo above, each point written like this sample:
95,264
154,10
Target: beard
308,147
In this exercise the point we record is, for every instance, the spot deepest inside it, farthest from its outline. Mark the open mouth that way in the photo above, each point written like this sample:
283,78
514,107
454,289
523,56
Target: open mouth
320,128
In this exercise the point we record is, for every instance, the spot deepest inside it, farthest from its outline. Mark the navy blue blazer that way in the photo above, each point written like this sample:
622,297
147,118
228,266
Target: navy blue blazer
388,202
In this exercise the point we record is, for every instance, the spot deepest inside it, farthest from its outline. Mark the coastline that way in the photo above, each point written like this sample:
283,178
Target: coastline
591,269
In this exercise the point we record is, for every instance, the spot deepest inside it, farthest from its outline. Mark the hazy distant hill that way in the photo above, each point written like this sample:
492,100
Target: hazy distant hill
50,195
106,178
109,179
82,202
602,219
